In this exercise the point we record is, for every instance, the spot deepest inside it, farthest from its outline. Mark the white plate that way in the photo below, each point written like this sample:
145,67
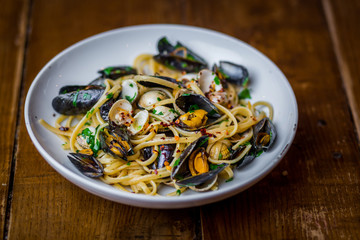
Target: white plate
79,63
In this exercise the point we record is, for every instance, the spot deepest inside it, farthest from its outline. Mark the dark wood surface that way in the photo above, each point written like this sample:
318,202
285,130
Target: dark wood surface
313,193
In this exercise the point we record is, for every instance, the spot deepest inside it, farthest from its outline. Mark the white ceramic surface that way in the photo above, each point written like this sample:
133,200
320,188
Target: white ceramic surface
79,63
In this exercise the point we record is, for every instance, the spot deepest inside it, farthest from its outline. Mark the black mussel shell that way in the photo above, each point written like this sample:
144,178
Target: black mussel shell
181,168
117,135
164,47
86,164
249,157
117,71
105,108
166,152
147,152
191,55
72,88
262,128
234,73
202,178
100,81
179,63
187,100
77,102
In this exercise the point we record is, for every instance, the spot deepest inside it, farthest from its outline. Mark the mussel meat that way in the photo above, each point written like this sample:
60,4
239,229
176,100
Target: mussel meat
190,101
86,164
193,168
78,101
193,119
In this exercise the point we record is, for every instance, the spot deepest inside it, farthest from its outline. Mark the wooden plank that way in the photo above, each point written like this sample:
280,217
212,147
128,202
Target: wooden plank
13,20
45,205
318,195
343,21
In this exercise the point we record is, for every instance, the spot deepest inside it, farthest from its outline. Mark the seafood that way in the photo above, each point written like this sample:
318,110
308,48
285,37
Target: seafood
178,57
115,140
148,99
193,168
264,134
232,73
77,101
86,164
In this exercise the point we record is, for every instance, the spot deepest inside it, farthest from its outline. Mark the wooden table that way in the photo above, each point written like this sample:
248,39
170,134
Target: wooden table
315,43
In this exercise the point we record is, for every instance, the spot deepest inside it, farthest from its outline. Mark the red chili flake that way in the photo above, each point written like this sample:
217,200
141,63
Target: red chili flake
178,151
155,171
163,138
63,128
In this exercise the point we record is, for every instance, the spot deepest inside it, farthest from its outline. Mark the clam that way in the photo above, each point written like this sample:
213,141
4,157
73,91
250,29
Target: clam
84,139
130,90
209,81
193,169
166,113
141,121
148,99
120,113
86,164
220,151
74,100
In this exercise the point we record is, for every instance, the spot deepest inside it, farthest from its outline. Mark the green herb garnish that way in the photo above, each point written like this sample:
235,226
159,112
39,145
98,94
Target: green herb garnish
108,70
204,141
245,82
213,166
193,107
259,153
110,95
159,99
229,180
128,163
244,94
216,80
220,156
75,98
177,162
130,99
212,112
178,192
186,94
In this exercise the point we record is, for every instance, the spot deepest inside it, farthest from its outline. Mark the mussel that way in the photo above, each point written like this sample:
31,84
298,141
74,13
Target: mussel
199,111
86,164
193,169
157,81
178,57
113,73
264,134
231,72
77,101
116,141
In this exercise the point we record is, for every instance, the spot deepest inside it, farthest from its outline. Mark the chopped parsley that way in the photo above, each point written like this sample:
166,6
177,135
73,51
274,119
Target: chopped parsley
177,162
229,180
212,112
178,192
194,107
244,94
184,65
186,94
90,112
110,95
86,96
259,153
108,70
160,113
246,80
130,99
128,163
131,85
204,141
174,111
220,156
154,111
88,123
216,80
213,166
89,136
159,99
75,98
246,143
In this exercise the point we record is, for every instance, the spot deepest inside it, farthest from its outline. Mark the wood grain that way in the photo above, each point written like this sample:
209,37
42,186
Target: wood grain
343,25
318,195
45,205
13,20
